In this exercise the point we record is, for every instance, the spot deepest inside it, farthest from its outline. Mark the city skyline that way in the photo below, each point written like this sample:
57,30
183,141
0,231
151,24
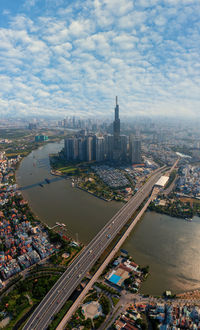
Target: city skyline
59,59
90,146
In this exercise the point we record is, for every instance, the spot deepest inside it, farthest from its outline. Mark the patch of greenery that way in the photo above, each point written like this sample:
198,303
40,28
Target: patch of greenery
174,208
115,300
105,304
13,133
98,321
107,288
93,296
171,179
16,302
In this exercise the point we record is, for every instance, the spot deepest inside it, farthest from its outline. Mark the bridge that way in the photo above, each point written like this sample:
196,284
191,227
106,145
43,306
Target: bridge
72,277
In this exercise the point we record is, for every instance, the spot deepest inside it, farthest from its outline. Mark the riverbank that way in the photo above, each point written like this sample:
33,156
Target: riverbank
176,207
101,180
58,200
85,215
92,193
32,255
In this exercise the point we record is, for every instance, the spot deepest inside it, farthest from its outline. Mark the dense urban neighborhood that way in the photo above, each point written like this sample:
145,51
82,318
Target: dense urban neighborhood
23,240
33,257
114,303
159,315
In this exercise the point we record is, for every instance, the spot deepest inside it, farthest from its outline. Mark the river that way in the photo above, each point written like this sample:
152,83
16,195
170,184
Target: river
170,246
58,201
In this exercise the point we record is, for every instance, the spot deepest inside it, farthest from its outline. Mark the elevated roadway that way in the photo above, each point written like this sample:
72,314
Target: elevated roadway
71,278
108,259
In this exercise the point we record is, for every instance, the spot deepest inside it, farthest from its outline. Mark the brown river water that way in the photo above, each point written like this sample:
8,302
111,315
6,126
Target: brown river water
170,246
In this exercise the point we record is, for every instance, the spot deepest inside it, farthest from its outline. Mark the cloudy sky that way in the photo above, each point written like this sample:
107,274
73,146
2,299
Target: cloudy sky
63,57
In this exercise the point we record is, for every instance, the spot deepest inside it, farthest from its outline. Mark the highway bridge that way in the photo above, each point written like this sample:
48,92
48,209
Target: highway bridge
72,277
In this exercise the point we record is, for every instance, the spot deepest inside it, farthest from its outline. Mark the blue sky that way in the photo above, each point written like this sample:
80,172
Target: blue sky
62,57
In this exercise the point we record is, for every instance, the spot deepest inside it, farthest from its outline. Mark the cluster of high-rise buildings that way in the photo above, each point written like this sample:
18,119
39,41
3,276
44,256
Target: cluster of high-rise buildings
113,147
79,123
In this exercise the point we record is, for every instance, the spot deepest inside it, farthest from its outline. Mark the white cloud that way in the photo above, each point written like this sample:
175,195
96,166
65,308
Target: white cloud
28,4
72,56
125,41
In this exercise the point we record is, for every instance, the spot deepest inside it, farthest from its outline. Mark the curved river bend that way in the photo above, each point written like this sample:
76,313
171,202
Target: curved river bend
170,246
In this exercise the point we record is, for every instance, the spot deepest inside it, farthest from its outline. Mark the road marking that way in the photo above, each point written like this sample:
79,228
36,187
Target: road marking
118,216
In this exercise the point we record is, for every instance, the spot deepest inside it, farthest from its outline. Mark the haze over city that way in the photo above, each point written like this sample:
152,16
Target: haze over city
59,58
99,164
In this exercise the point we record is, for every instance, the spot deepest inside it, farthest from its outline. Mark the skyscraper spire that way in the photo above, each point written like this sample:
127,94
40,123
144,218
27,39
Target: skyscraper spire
116,133
117,111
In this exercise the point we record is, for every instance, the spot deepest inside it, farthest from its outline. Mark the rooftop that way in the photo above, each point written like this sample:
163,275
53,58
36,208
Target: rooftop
162,181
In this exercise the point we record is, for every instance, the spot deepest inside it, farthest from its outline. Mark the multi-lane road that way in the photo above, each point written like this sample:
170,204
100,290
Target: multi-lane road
68,282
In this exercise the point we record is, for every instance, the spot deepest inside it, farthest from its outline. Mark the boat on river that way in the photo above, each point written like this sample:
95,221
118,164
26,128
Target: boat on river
188,219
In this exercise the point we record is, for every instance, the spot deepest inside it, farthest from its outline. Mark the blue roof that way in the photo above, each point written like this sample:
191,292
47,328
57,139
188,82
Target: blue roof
114,279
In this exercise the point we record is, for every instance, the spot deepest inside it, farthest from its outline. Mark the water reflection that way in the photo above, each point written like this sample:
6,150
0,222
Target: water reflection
170,246
58,201
43,183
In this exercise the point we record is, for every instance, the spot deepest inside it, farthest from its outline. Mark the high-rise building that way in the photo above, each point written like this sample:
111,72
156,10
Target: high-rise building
65,123
60,123
135,150
89,148
109,146
32,126
41,138
74,122
71,148
94,147
116,134
81,149
85,146
124,144
100,149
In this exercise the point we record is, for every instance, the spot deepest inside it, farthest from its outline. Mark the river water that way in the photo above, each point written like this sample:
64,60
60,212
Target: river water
168,245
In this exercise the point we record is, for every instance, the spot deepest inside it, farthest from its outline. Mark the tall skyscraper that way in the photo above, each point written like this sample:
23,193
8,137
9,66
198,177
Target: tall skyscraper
89,148
65,123
135,150
116,133
100,149
81,149
109,146
71,148
124,145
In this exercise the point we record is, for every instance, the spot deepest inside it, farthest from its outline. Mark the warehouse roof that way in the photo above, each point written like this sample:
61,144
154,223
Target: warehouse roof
162,181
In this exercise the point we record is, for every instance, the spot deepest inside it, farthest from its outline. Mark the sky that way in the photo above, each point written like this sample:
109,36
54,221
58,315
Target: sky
71,57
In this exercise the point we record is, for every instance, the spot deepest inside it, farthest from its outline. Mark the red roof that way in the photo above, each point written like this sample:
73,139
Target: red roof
134,264
129,326
122,266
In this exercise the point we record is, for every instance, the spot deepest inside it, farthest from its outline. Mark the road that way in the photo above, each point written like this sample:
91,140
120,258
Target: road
68,282
108,259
